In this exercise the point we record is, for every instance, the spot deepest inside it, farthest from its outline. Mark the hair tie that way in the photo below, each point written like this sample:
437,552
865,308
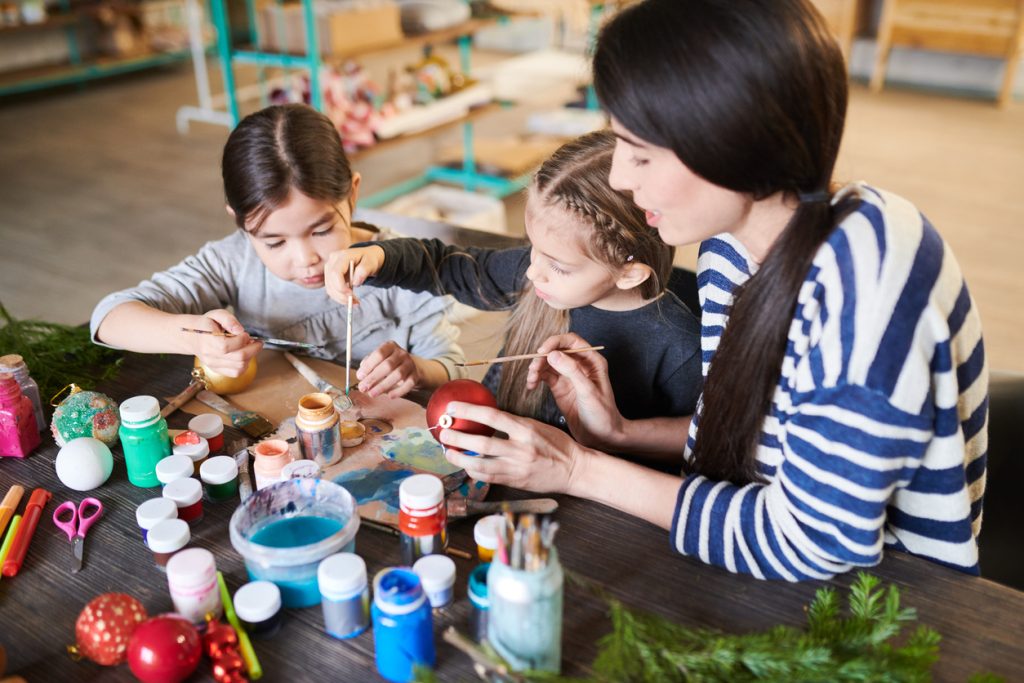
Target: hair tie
629,258
815,197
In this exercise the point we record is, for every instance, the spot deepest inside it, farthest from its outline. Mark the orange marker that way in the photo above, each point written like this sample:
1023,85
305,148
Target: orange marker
9,505
34,509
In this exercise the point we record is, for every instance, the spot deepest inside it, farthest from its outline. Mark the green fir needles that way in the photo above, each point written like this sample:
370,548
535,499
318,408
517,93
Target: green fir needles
57,355
834,647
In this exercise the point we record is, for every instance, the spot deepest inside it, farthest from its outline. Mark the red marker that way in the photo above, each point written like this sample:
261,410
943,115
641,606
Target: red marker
34,509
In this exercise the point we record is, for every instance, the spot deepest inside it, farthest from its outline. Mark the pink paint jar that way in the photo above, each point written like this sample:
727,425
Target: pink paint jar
19,433
210,427
187,494
193,446
167,538
269,458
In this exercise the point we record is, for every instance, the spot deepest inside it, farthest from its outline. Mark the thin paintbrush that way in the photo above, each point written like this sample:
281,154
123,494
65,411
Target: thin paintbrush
348,333
286,343
525,356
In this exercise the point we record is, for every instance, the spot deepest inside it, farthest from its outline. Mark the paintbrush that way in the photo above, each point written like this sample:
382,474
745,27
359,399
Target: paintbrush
282,343
463,507
348,334
253,424
525,356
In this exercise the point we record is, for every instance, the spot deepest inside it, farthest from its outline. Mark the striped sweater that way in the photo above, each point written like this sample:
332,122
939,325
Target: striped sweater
877,435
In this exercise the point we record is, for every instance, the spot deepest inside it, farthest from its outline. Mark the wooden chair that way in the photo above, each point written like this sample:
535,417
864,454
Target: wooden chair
994,28
841,17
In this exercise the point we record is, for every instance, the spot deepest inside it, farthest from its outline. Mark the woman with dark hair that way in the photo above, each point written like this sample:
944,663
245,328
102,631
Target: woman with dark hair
844,406
290,189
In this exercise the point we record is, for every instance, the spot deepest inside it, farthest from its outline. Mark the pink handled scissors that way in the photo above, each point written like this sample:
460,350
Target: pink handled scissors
78,525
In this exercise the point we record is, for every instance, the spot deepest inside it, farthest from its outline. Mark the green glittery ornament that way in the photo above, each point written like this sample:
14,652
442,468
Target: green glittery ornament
86,413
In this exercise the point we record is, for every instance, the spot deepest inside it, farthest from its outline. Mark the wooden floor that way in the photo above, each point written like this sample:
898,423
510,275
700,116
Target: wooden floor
98,190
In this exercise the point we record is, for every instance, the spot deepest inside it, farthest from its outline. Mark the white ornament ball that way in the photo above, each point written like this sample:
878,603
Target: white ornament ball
84,463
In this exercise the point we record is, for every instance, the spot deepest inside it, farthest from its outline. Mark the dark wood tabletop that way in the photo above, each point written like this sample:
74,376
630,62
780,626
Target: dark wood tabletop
981,623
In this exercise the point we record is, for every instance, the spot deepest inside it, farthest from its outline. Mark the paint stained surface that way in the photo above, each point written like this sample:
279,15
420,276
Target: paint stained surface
415,447
371,485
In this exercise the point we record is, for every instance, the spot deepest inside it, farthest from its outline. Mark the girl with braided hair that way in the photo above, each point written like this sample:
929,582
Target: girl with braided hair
594,268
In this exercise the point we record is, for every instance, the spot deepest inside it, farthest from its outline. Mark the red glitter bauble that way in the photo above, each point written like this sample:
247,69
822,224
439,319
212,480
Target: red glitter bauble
466,391
164,649
105,626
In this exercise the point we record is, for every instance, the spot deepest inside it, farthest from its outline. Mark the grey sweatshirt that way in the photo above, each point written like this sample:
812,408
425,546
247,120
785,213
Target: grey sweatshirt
228,273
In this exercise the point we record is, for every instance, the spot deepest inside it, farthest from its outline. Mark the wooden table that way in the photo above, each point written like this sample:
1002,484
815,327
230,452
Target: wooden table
982,623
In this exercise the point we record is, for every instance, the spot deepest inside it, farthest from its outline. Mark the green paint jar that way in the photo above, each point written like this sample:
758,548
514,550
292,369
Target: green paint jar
220,477
144,439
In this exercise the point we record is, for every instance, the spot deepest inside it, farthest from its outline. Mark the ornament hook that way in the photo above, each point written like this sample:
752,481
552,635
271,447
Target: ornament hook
72,389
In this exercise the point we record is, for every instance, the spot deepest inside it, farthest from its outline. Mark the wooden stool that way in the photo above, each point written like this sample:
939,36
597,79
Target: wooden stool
994,28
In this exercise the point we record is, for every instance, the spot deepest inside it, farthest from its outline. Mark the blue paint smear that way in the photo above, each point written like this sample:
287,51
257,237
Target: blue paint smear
368,485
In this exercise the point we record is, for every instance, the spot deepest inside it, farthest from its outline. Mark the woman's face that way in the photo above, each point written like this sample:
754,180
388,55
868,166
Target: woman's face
685,208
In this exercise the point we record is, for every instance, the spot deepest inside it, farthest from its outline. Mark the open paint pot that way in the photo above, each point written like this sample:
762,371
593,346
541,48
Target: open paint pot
285,530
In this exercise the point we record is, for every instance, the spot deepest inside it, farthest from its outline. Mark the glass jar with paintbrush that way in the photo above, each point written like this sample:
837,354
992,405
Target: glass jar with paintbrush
525,584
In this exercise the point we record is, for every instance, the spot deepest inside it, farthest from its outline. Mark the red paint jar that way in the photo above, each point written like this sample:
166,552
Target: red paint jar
210,427
187,494
190,444
422,517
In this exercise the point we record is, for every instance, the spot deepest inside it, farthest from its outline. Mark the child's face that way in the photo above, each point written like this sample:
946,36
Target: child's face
296,238
562,274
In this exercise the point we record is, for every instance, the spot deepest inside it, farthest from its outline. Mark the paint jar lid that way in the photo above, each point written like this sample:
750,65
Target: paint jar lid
192,568
437,572
340,575
218,470
486,530
398,590
257,601
154,511
420,492
477,588
184,492
168,536
190,444
173,468
206,425
301,469
139,411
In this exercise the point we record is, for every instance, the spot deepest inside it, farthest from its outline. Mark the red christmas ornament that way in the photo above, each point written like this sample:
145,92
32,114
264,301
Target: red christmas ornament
105,626
164,649
226,664
221,644
466,391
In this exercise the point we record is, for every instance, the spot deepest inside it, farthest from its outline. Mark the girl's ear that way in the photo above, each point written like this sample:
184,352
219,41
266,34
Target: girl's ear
633,275
231,212
353,196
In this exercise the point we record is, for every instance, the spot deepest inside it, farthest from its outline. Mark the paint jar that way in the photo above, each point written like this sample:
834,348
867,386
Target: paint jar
14,365
525,624
220,476
352,433
300,469
152,512
345,595
422,517
403,633
187,494
192,446
173,468
192,579
211,428
437,574
318,431
166,538
284,530
485,533
269,458
19,433
258,605
144,439
479,601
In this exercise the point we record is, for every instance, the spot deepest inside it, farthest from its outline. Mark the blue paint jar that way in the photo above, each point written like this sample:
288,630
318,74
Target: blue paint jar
403,629
345,594
480,602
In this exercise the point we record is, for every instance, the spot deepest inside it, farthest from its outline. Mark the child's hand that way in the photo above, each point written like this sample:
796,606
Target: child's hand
390,371
365,261
224,355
